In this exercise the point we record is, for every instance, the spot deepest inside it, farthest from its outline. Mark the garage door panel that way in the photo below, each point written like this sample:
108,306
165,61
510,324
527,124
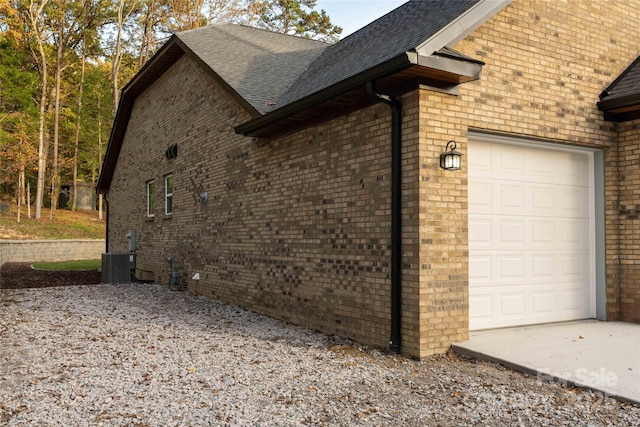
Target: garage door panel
481,162
480,232
529,235
542,267
543,303
572,202
521,198
573,301
514,267
542,199
512,305
481,308
481,268
511,232
494,307
506,162
542,233
540,168
480,196
573,233
572,168
509,161
511,268
573,267
511,197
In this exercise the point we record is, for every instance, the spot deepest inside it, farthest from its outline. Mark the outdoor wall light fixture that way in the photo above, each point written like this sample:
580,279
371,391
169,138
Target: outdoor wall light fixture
450,159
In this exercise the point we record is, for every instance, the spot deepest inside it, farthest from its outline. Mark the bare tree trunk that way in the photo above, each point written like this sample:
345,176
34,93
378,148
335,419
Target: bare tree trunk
125,9
117,56
100,217
20,190
74,200
34,16
28,200
56,121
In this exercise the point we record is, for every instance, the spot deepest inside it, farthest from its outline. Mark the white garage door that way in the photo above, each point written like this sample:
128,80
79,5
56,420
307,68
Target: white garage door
531,256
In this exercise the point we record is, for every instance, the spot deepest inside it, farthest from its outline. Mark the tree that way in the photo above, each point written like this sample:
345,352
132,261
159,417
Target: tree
152,17
72,21
93,17
34,21
295,17
18,114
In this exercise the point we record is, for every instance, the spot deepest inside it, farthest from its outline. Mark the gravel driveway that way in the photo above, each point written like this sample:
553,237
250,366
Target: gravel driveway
143,355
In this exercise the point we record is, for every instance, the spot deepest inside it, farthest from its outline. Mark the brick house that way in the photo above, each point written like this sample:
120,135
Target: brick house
303,180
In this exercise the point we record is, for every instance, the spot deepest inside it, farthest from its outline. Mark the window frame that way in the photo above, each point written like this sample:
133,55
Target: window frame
151,198
168,196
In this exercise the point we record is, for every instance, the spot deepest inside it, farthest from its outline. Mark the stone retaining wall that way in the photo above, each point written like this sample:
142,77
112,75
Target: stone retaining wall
49,250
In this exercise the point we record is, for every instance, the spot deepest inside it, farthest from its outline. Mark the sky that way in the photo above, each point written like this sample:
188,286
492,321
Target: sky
352,15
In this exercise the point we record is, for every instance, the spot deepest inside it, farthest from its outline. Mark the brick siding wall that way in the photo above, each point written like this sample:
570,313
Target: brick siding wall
628,292
297,228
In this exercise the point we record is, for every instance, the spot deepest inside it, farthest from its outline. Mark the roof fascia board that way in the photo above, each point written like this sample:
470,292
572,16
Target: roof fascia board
450,65
622,102
118,130
396,64
139,76
462,26
234,94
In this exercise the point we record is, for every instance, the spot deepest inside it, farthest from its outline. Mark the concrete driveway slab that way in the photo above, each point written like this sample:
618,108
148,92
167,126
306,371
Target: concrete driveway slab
602,356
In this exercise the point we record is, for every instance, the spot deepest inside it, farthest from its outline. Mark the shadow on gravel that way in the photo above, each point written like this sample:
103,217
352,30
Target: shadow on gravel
20,275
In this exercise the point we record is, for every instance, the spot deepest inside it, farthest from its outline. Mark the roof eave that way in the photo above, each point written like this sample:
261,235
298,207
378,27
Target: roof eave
464,71
398,63
619,103
621,109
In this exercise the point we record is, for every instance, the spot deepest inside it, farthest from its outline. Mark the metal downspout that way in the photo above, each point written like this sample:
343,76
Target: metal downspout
396,213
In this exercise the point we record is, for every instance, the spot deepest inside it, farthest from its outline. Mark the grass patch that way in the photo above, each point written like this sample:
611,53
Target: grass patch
64,225
78,265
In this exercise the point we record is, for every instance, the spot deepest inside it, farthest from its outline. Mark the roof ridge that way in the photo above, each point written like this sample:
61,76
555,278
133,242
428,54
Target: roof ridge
193,30
252,28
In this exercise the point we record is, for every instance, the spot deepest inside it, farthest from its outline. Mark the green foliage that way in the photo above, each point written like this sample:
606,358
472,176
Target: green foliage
296,17
18,79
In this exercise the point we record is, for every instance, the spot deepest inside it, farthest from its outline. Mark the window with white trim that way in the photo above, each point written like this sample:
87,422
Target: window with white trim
151,198
168,194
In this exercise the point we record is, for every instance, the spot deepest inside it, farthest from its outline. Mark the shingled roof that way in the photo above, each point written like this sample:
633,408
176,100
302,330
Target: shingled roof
284,82
259,65
621,99
402,30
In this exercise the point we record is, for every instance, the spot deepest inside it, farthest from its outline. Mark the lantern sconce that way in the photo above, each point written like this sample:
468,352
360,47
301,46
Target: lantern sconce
450,160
